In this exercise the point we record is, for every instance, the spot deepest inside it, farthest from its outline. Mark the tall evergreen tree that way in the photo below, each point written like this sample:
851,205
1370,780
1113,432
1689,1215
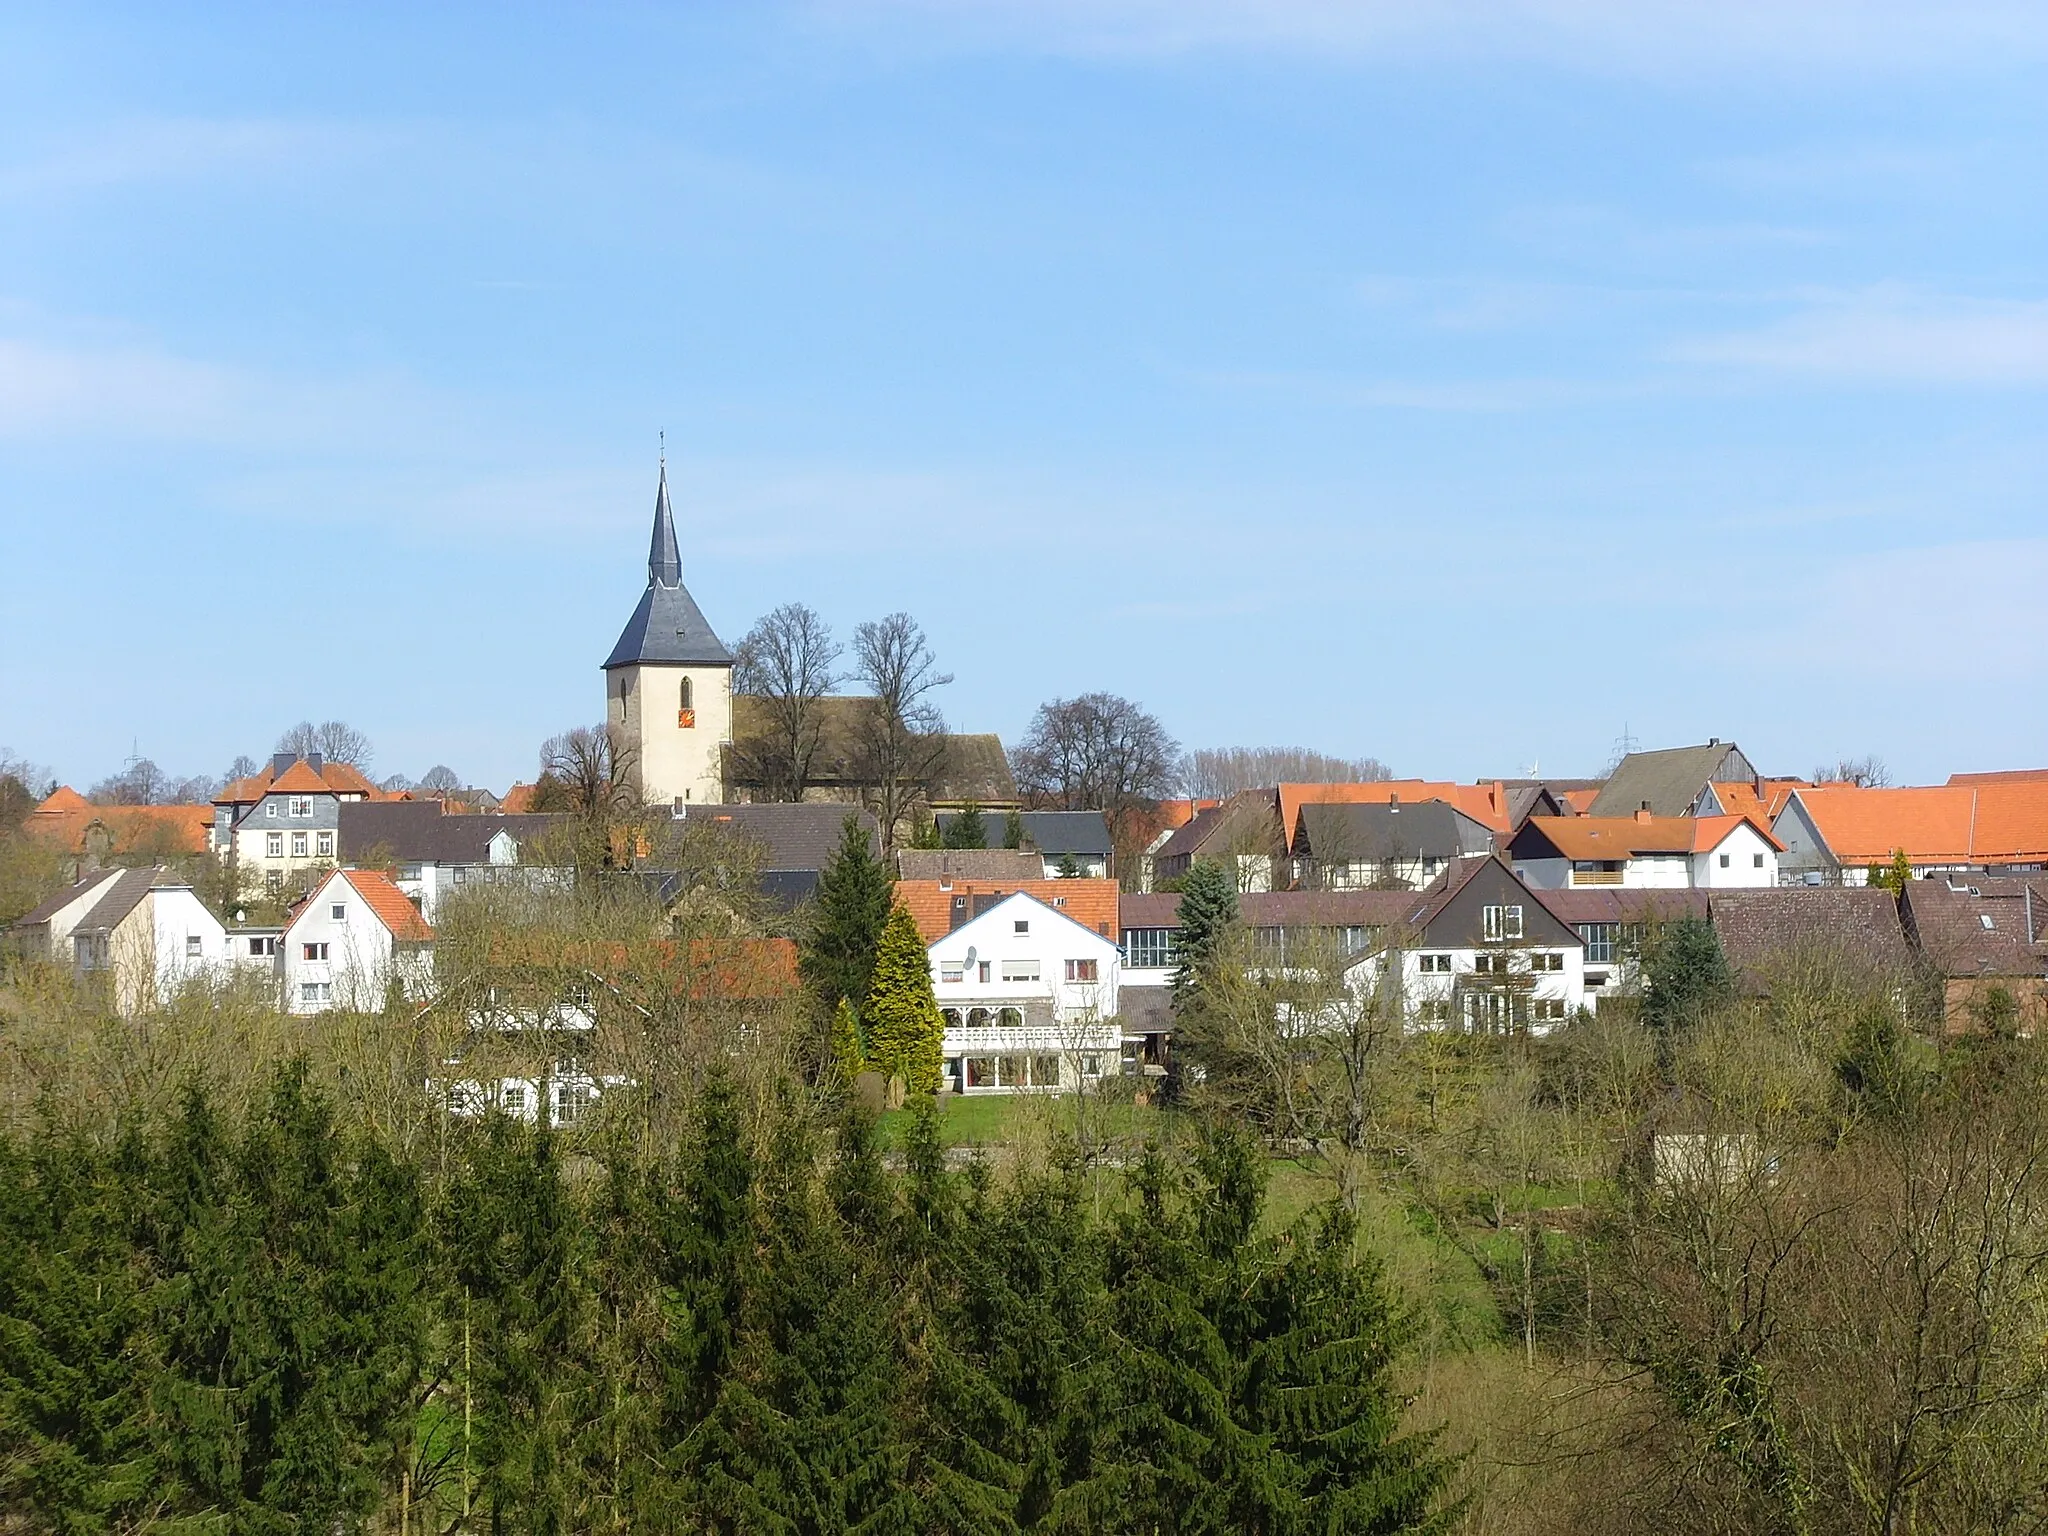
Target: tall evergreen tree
849,1055
905,1033
1013,828
967,828
1685,976
1208,907
855,891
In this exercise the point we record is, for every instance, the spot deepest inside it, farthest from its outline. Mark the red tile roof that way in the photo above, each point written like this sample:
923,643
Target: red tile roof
2004,822
1484,803
1091,903
67,817
2000,776
300,779
1622,837
393,908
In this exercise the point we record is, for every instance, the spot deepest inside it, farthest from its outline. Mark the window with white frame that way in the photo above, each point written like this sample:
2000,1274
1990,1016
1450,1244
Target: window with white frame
1434,1010
302,805
316,992
273,845
1020,970
1548,961
1434,965
1083,970
313,951
270,809
1502,922
324,844
1599,939
273,880
1491,964
952,970
192,946
512,1098
338,911
1148,948
298,845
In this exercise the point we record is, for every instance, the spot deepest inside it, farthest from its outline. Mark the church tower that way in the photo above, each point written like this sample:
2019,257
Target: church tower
668,683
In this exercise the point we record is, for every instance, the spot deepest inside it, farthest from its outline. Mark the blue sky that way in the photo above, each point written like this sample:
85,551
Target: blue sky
1459,384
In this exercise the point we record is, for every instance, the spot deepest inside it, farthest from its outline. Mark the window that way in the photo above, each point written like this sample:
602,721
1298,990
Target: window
273,845
1435,965
302,805
1546,962
951,970
686,707
572,1100
1984,920
1756,861
1434,1010
313,951
686,696
1023,925
1148,947
512,1098
298,845
1020,970
324,844
270,809
1490,964
982,969
1547,1010
1082,970
273,880
192,946
1503,922
1724,861
315,992
1599,941
261,947
1091,1065
338,911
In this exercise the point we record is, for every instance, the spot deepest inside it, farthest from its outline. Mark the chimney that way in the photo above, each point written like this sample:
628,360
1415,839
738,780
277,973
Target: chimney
1394,802
1643,811
316,761
279,763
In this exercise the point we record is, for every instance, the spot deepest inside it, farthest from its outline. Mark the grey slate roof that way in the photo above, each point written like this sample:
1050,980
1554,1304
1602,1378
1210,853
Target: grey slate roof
419,832
1010,864
123,896
1669,780
1378,833
792,837
65,897
1085,834
667,626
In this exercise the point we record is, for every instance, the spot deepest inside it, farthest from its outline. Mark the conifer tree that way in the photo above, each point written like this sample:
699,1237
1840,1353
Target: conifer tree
905,1033
1013,828
1685,975
837,954
1208,907
848,1054
967,828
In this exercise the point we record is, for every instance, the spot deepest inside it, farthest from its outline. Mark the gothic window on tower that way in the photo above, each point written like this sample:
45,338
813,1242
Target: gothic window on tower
686,714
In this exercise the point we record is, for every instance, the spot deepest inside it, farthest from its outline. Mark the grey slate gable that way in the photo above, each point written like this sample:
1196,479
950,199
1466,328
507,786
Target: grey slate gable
1379,833
667,627
1456,920
1670,780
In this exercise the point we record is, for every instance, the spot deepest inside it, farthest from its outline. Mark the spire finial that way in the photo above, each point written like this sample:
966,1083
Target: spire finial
664,559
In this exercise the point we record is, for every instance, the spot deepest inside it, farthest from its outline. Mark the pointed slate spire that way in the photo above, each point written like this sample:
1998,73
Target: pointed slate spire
664,559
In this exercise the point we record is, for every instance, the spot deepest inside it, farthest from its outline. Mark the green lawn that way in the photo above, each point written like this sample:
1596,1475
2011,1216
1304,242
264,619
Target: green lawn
995,1120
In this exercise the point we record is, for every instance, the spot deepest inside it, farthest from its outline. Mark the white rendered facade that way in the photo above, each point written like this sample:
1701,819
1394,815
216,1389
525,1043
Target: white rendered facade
1029,998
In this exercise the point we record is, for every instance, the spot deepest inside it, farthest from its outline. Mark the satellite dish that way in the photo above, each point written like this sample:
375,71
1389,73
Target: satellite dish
971,952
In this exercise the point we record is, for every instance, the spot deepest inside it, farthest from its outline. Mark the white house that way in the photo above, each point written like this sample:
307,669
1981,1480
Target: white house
1029,998
1481,955
144,930
1645,852
285,819
350,942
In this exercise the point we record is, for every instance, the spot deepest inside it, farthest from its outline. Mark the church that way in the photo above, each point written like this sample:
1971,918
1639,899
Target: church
668,683
671,711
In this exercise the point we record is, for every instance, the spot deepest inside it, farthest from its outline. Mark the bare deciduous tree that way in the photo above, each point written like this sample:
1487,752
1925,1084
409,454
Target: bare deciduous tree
901,737
1865,772
1097,752
440,779
335,740
586,770
141,782
787,661
1211,773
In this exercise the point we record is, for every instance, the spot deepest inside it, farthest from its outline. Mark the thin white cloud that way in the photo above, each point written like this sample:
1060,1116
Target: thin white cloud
1888,336
47,390
1668,37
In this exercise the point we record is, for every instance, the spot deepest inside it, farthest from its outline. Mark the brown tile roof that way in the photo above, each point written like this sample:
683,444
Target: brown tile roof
1091,903
1624,905
1764,929
1284,909
1982,928
985,864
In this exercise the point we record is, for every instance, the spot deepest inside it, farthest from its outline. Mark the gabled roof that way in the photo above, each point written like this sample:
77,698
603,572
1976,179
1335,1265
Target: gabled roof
932,905
304,778
1761,929
1614,838
1743,798
124,895
1982,927
1010,903
65,818
667,626
64,898
375,890
424,832
1668,780
299,779
1486,803
1994,823
792,837
1387,831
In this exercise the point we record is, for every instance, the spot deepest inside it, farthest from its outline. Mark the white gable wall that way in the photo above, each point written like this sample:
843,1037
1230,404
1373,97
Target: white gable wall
1750,861
357,964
